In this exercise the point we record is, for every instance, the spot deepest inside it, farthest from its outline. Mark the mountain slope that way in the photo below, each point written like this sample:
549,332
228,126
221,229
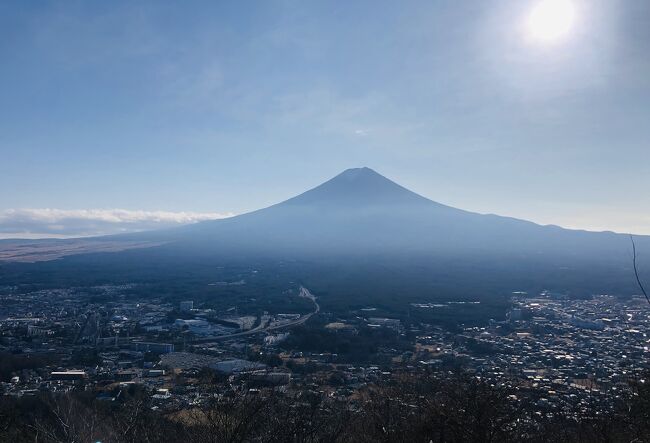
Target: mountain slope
361,212
358,234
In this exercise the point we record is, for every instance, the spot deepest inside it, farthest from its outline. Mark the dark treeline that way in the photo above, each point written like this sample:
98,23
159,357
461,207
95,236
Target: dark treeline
408,409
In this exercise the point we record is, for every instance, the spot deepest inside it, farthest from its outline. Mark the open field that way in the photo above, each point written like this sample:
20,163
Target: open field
30,251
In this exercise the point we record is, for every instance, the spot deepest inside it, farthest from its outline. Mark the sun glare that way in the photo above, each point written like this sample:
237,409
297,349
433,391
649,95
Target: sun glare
550,20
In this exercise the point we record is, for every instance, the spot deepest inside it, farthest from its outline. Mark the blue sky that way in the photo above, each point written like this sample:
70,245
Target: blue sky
214,108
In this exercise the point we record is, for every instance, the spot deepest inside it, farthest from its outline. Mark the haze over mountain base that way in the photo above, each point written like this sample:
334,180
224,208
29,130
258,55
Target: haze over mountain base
360,238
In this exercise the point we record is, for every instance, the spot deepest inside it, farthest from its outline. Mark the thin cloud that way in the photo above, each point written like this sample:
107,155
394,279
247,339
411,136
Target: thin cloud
61,223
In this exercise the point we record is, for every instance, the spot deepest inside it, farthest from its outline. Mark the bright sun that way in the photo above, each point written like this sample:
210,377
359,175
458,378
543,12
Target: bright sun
550,20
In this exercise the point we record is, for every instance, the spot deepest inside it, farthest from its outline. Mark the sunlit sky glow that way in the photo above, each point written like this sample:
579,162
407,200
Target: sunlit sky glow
534,109
551,20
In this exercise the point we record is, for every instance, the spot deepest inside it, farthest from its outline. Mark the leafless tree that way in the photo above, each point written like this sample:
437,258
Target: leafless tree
636,270
70,421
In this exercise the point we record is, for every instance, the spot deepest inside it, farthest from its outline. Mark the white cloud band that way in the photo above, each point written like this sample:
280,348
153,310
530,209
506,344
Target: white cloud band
61,223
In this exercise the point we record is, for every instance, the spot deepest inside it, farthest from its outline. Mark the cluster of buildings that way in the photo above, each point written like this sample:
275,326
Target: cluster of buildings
566,354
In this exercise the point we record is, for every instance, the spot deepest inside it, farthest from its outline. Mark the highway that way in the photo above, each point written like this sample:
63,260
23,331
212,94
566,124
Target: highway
304,292
264,322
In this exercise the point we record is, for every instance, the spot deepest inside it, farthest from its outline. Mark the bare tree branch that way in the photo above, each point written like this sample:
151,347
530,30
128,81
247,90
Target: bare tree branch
636,271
